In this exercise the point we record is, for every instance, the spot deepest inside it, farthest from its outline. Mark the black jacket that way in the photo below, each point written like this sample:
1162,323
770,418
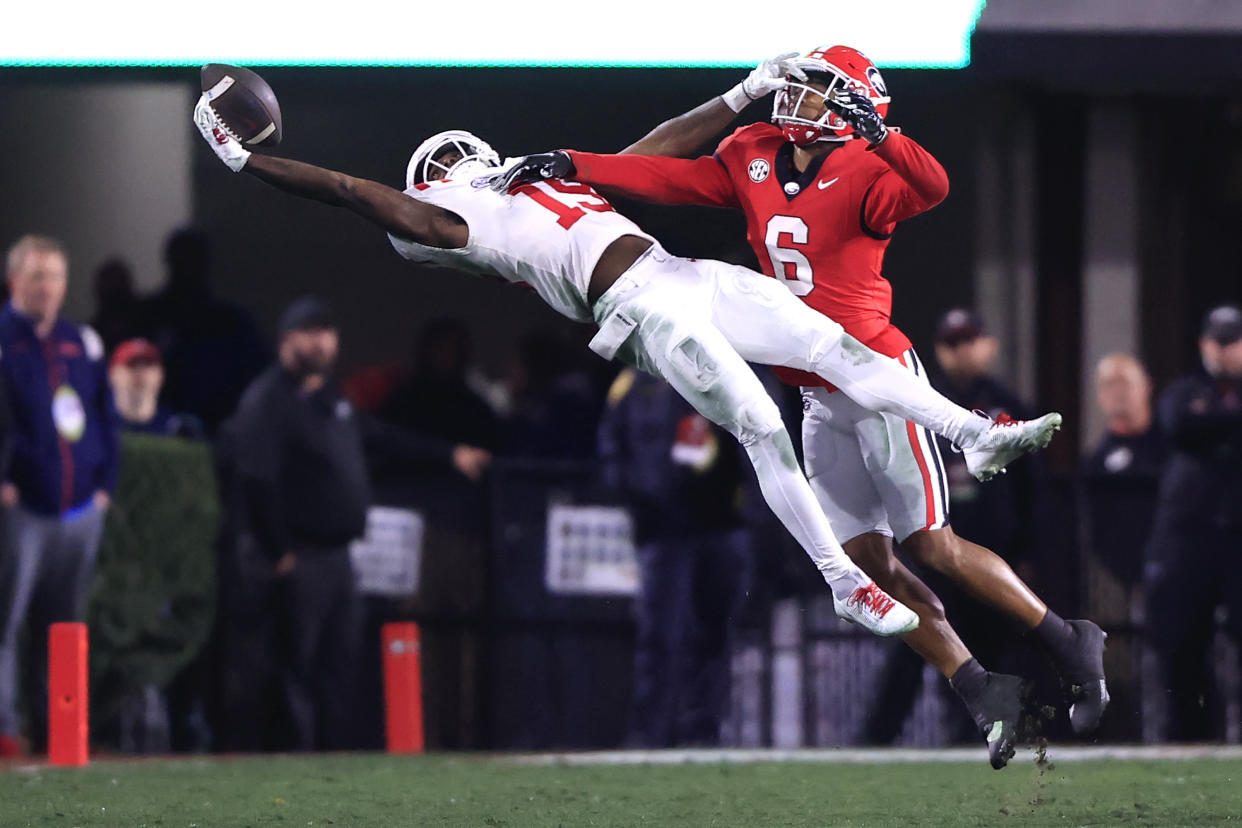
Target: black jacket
998,514
1201,489
301,462
1119,481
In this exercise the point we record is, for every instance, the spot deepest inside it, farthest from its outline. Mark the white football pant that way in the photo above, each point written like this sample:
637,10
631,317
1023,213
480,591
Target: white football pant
872,472
696,323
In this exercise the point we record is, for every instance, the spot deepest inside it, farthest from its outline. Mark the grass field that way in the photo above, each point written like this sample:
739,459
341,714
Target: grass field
370,790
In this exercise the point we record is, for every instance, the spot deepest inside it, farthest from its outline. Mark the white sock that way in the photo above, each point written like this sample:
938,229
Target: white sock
879,383
790,498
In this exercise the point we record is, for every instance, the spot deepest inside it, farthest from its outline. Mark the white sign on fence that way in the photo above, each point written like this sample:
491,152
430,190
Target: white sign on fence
591,551
386,560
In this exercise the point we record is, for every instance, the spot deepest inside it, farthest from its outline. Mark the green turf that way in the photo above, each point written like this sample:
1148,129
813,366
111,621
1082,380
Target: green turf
367,790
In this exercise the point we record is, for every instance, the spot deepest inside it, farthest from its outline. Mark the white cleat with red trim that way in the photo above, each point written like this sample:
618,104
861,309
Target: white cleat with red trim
1006,441
872,609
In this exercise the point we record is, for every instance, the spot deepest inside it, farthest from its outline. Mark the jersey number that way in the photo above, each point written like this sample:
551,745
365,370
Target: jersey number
568,199
789,264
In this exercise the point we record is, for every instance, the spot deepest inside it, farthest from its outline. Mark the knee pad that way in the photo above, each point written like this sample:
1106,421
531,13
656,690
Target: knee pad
757,418
830,345
693,363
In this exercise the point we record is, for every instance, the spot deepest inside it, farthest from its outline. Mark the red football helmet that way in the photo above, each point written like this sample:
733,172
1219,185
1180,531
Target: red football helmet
839,67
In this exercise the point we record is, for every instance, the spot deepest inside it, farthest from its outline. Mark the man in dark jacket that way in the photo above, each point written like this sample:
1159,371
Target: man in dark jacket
1121,473
63,469
299,456
1195,556
682,479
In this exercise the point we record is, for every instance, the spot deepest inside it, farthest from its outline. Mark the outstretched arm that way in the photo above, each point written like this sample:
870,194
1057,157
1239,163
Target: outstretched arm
380,204
686,134
384,206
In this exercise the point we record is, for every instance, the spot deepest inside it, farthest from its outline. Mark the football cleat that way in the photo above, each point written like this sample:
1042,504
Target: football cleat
997,712
875,611
1006,441
1088,690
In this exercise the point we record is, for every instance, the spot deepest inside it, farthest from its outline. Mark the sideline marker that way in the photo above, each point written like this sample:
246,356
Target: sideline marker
68,700
403,687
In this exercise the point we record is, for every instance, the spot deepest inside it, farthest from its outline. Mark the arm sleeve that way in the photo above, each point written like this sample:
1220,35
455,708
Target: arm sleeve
384,443
110,429
662,180
258,427
1194,419
914,183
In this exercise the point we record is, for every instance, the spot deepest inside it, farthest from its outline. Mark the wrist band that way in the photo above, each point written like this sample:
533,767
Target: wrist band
736,98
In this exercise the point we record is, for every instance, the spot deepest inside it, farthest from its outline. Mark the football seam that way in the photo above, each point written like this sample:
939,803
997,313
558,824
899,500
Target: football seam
224,126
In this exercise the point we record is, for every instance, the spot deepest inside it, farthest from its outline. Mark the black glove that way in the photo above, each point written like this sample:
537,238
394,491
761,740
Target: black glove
857,110
536,167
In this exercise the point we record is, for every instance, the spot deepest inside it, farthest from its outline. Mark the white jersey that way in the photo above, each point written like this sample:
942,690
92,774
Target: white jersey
549,234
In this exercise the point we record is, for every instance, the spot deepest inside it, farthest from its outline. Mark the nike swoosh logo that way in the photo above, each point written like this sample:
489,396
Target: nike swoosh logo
823,185
998,730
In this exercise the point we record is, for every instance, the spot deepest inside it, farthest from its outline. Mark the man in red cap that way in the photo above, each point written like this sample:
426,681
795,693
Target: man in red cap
136,374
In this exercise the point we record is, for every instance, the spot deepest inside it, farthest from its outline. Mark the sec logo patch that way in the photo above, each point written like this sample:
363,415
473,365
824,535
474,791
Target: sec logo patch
758,170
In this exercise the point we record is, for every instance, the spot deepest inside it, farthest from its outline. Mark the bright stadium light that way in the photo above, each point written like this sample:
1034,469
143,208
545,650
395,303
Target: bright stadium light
894,33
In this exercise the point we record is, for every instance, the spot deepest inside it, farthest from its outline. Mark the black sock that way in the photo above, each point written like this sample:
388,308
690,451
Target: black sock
969,681
1057,635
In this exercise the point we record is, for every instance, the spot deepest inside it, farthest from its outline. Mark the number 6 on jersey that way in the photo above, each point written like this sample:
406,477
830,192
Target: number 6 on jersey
789,264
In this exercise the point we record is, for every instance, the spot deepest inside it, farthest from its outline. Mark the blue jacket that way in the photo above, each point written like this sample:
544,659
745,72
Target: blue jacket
65,444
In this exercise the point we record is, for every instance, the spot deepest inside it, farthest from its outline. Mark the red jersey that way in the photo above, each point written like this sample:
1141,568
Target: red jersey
823,231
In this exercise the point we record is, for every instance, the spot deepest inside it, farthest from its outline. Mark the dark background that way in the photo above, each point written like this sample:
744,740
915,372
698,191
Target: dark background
271,247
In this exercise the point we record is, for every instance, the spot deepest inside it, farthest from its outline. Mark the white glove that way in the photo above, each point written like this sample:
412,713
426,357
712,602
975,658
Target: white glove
767,77
218,137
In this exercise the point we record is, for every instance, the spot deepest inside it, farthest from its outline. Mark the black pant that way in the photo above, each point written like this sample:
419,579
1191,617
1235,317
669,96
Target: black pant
317,644
1187,580
692,594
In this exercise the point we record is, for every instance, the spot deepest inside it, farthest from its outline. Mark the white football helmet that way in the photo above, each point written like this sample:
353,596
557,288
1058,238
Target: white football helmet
473,149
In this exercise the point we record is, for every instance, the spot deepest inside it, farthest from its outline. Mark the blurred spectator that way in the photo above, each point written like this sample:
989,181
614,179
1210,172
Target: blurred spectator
211,347
555,409
1122,472
1118,480
296,454
64,467
437,399
1195,555
136,373
998,515
117,309
681,478
995,515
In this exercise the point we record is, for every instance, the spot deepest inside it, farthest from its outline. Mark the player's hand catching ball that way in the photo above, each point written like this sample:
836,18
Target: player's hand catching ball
767,77
537,167
857,110
227,148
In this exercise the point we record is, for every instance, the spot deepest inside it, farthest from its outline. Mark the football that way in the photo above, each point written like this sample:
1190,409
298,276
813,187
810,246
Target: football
244,102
